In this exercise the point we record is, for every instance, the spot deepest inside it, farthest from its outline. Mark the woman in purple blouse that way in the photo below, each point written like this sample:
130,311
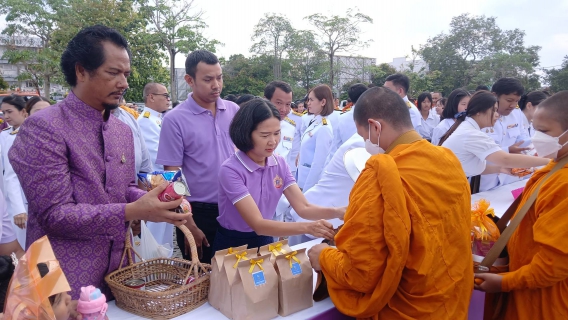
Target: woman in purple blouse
252,181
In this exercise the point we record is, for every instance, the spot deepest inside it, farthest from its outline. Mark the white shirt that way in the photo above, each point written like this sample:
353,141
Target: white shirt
142,161
471,146
415,115
150,122
287,136
316,142
507,131
440,130
428,125
528,126
296,142
335,185
305,123
343,130
16,201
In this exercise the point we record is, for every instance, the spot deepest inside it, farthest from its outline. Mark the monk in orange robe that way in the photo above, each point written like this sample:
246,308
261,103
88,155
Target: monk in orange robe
537,281
404,251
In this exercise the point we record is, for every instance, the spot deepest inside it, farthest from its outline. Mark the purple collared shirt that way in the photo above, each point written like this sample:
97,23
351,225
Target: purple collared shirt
240,177
76,172
198,142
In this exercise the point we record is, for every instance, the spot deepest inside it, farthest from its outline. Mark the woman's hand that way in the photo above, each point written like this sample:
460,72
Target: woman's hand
321,229
341,212
20,220
506,171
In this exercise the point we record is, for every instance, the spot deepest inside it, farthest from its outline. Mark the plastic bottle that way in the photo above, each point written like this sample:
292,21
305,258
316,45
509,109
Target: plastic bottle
92,304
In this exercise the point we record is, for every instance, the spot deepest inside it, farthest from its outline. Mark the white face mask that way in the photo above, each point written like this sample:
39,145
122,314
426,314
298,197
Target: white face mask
547,146
372,148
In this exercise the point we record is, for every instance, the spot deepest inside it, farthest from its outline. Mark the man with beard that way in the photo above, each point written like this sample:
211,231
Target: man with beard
75,163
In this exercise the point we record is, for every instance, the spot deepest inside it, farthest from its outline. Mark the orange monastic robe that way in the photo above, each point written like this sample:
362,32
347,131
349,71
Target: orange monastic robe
405,249
537,280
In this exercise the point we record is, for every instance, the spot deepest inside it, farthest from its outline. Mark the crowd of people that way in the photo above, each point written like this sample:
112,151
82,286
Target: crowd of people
260,168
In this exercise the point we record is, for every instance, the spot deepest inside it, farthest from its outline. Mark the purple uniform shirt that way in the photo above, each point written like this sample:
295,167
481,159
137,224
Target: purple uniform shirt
240,177
198,142
76,172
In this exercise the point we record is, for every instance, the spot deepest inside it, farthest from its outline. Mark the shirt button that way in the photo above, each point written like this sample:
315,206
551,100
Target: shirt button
105,127
108,158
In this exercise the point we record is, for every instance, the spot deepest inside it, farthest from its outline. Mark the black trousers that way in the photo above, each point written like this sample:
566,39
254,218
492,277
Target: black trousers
205,217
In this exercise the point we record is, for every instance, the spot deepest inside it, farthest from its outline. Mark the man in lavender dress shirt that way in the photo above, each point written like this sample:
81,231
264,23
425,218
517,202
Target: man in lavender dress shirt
195,136
76,164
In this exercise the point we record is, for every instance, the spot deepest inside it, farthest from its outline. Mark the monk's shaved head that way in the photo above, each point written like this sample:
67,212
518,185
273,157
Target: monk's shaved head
557,108
385,104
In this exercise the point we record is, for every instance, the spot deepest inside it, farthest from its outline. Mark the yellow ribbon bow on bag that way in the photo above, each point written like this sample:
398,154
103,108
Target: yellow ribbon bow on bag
230,251
256,263
292,256
275,248
242,256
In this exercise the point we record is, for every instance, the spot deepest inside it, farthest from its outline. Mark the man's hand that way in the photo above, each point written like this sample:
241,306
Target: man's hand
199,237
492,283
314,255
20,220
150,208
516,148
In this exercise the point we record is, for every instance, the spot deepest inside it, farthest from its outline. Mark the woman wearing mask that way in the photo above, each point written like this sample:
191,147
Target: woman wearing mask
528,104
252,181
317,139
457,102
429,120
36,104
474,148
15,113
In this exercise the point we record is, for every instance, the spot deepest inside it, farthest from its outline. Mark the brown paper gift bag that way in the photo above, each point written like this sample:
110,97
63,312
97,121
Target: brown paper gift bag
226,283
295,282
218,271
275,249
255,291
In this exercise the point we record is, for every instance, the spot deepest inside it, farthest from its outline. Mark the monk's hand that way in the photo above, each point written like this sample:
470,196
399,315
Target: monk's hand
321,229
150,208
314,255
516,148
20,220
492,283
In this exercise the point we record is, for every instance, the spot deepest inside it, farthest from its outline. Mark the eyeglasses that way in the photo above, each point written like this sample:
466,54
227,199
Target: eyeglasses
165,95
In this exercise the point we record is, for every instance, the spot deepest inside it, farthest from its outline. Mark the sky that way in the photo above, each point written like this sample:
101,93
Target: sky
397,25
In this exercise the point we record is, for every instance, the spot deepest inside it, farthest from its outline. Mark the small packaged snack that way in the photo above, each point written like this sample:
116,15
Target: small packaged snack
295,282
217,272
522,172
255,290
275,249
230,263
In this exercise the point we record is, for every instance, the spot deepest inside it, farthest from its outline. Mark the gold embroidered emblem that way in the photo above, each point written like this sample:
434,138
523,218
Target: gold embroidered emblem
147,114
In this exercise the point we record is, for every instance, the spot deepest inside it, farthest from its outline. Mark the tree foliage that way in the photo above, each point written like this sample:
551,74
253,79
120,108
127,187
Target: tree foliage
476,51
307,59
339,34
3,84
177,28
558,78
380,73
272,34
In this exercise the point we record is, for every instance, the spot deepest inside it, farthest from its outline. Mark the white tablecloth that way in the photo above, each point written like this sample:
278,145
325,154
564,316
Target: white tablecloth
206,311
500,198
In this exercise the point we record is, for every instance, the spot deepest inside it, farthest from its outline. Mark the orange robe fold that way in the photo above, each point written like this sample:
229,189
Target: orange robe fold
405,249
537,280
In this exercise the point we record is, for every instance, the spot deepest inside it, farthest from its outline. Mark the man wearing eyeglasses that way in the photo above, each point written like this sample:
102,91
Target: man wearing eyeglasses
157,101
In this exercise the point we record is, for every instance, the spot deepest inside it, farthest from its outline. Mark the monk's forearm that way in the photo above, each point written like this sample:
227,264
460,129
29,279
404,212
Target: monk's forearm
545,270
338,267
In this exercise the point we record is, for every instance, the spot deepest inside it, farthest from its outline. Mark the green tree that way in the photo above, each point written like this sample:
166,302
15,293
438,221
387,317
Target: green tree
3,84
477,51
30,28
247,75
380,73
339,34
343,95
307,60
178,29
558,78
272,35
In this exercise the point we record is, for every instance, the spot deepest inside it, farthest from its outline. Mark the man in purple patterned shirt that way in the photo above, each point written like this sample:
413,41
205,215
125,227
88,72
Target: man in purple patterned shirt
75,164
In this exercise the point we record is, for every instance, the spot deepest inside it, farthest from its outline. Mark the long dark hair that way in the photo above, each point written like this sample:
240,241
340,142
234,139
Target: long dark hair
451,107
33,100
423,96
534,97
480,102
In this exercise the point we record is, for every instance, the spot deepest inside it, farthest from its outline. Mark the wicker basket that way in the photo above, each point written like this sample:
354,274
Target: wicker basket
167,294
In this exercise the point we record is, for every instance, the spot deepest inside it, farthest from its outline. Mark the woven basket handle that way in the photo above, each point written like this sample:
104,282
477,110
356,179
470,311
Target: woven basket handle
195,263
128,249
